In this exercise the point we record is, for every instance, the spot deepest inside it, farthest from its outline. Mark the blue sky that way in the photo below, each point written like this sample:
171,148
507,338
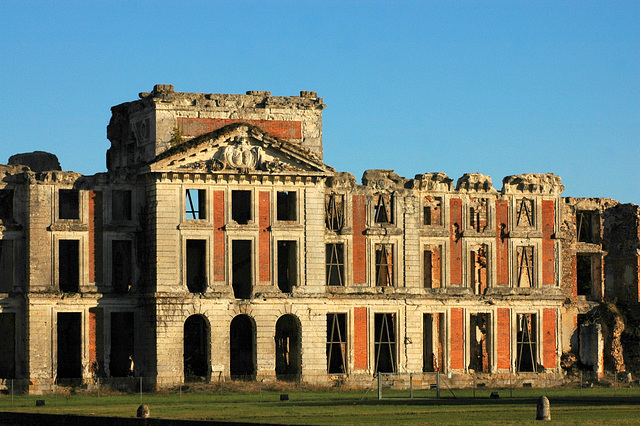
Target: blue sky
498,87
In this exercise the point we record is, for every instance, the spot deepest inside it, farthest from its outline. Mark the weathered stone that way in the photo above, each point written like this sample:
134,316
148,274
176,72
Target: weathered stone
37,161
543,409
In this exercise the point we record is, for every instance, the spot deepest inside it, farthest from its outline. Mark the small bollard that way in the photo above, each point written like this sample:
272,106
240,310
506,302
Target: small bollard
39,402
494,395
543,411
284,397
143,411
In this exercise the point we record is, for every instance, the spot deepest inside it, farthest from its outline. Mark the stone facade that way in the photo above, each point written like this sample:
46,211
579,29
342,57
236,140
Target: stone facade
218,245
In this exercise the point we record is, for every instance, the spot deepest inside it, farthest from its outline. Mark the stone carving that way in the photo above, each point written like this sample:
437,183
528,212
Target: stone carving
241,155
383,180
533,183
475,182
436,181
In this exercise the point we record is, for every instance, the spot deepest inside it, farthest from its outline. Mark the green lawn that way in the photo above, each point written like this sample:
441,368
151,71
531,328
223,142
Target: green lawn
586,406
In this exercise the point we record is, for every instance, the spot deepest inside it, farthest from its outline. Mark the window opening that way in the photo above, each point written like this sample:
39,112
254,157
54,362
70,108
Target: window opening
588,226
335,264
384,265
383,210
334,212
197,357
121,265
431,212
478,214
525,266
242,348
585,273
7,266
479,269
69,345
428,269
336,343
69,265
287,266
241,207
68,204
526,344
121,205
286,206
196,265
479,344
434,338
288,354
122,358
8,347
385,343
6,205
195,204
524,217
241,268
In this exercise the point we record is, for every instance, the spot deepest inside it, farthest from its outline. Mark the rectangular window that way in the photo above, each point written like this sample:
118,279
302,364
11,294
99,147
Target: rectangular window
69,265
383,208
6,205
69,329
68,204
287,266
524,212
526,343
121,265
525,272
241,207
588,226
384,265
428,269
587,273
334,212
385,343
286,208
121,205
335,264
197,266
478,219
478,268
434,341
122,359
241,269
7,266
8,347
336,343
432,211
479,346
195,205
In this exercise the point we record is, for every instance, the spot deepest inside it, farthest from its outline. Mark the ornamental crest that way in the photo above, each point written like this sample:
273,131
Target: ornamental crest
241,155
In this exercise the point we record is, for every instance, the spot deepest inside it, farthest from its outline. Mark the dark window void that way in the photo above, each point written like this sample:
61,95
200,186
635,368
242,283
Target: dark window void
69,345
432,211
525,266
385,343
479,343
383,208
6,205
241,269
69,204
478,267
526,344
478,214
121,205
431,267
242,350
588,225
287,206
8,347
335,264
287,266
434,338
197,357
334,212
122,357
197,266
288,343
384,265
69,266
121,265
7,266
241,207
195,204
524,212
586,269
428,269
336,343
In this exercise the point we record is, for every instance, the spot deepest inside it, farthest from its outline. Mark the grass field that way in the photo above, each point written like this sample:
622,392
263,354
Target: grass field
572,406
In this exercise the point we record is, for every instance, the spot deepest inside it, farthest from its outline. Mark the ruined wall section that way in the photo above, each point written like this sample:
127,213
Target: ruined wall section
622,261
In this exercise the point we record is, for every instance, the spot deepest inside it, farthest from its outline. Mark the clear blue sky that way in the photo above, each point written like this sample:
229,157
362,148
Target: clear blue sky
498,88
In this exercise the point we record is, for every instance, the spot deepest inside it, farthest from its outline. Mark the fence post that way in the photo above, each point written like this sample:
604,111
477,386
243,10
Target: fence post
510,385
98,381
12,394
437,385
180,392
379,386
55,389
411,385
474,386
140,389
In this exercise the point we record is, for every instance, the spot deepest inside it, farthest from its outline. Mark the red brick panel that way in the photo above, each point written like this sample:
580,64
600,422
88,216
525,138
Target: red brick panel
456,244
264,221
548,246
359,240
549,338
502,245
96,337
361,361
436,267
95,236
218,236
503,341
457,338
192,127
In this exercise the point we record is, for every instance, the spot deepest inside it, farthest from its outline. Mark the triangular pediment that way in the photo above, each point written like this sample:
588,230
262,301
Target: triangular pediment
239,148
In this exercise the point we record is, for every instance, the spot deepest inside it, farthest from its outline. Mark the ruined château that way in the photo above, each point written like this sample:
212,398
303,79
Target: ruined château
219,245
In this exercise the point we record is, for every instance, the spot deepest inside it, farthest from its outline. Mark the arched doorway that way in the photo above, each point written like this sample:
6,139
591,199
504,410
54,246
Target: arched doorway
242,348
197,352
288,353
